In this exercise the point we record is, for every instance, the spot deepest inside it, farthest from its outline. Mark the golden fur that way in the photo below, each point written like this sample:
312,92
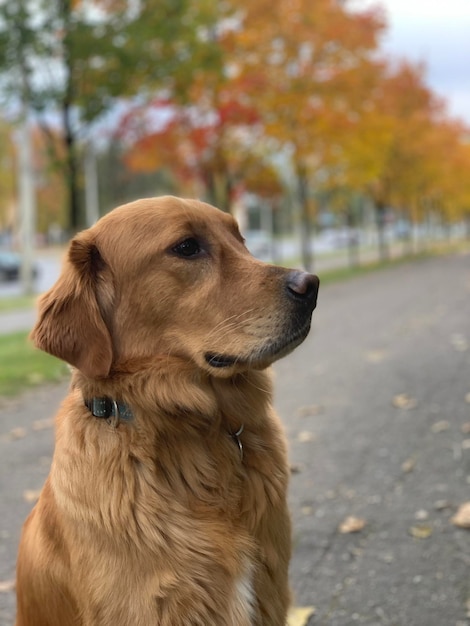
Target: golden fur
161,520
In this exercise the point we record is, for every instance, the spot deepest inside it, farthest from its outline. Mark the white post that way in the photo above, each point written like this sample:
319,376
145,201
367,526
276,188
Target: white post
267,219
27,206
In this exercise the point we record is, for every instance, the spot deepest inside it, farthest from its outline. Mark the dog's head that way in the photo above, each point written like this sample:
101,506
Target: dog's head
166,276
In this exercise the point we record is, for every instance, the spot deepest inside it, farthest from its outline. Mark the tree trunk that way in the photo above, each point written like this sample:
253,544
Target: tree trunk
209,184
305,223
408,242
75,216
219,189
76,219
27,205
384,254
353,241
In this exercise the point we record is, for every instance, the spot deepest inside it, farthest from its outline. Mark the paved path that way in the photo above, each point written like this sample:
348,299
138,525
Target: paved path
376,406
14,321
398,336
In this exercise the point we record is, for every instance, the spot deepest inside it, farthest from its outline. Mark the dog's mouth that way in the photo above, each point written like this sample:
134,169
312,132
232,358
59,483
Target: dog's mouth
282,346
267,353
220,360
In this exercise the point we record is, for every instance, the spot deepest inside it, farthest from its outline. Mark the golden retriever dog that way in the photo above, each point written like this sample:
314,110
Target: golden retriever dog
166,500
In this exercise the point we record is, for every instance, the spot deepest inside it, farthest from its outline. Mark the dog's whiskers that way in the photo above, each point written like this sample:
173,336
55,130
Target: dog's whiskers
231,323
249,381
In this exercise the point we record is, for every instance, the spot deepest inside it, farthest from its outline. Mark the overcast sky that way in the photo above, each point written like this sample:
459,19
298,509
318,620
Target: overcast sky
438,33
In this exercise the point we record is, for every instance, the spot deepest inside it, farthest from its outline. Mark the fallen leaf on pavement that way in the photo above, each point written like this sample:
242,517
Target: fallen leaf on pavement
351,525
305,436
440,427
421,531
459,342
309,411
404,401
299,616
43,424
421,515
408,466
375,356
31,495
7,585
440,505
17,433
462,517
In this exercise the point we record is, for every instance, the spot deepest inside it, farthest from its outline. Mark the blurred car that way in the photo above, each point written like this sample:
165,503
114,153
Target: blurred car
10,266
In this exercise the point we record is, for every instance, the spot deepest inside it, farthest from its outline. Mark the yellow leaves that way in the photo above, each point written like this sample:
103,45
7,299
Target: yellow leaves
459,342
404,401
312,410
305,436
352,524
149,153
308,84
7,585
462,516
373,127
31,495
299,616
424,529
15,433
43,423
421,531
376,356
408,466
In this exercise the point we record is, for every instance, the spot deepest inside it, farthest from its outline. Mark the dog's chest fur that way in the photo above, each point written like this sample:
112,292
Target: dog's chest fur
179,515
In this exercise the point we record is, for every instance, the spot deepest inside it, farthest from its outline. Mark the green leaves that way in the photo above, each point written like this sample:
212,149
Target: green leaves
71,61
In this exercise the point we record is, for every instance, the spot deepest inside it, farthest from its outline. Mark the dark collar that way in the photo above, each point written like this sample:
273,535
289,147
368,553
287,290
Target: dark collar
107,408
114,412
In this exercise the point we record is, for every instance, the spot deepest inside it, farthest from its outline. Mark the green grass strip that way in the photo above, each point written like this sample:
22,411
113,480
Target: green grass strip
16,303
23,366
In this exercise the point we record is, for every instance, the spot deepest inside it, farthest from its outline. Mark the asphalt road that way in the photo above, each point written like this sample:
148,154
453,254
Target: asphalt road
377,408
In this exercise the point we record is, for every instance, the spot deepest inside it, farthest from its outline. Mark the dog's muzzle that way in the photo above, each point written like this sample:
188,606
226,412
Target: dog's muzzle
301,291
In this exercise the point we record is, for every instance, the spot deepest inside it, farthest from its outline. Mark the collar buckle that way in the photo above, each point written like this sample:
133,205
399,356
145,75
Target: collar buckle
109,409
236,438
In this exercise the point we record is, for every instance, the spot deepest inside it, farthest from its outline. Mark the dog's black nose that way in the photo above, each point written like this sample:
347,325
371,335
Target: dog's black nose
303,287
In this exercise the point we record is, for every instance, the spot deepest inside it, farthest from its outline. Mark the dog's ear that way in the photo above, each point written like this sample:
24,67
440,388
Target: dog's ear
70,324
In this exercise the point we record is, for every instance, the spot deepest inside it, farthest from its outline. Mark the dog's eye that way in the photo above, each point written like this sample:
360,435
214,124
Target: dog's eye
188,247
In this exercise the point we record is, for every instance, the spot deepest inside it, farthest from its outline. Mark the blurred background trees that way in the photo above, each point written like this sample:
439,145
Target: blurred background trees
286,107
69,63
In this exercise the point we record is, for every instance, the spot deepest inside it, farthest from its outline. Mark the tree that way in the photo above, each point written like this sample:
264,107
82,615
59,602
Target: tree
463,183
448,193
51,190
207,144
69,61
7,170
306,64
409,164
